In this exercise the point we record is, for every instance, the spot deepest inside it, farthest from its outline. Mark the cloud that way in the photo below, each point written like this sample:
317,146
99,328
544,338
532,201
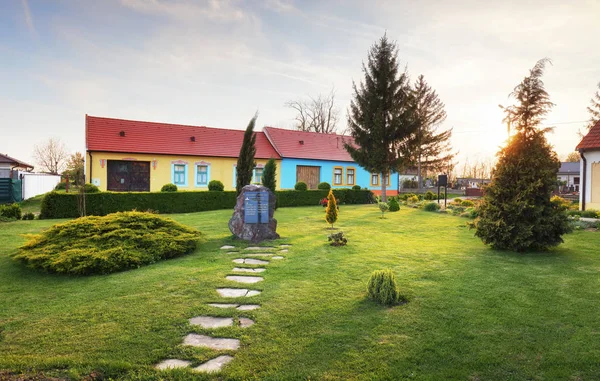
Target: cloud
28,18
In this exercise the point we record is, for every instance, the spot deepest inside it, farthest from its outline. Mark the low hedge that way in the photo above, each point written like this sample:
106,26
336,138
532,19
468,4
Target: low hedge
65,205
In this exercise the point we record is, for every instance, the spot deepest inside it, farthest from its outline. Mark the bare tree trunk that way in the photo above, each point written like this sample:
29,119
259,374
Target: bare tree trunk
383,188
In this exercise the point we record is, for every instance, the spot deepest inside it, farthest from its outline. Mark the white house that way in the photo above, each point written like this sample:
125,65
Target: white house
569,173
589,148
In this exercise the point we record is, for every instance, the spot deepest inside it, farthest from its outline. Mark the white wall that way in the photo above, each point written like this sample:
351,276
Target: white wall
38,183
591,157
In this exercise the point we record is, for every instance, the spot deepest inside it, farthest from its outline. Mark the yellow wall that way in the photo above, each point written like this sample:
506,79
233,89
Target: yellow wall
220,169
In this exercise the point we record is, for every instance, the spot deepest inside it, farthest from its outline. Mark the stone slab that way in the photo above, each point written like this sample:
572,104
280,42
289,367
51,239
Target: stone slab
278,257
251,261
211,321
248,307
259,248
247,270
245,279
223,305
252,293
236,292
218,343
227,247
214,365
172,364
285,245
259,255
283,251
245,322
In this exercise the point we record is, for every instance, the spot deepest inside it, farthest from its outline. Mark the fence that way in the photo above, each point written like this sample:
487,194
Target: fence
38,183
10,191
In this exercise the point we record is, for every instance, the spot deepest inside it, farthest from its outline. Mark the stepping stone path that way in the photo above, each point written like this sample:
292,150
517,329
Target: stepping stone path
245,279
223,343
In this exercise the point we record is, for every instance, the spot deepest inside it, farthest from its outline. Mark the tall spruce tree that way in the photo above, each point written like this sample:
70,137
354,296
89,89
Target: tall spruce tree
432,148
516,212
269,176
594,109
245,164
381,116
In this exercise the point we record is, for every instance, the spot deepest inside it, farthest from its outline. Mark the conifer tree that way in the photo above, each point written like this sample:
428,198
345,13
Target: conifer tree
245,164
269,177
431,148
594,109
381,116
331,212
516,212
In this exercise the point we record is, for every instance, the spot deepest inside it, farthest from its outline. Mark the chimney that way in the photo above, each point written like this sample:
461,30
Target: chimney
301,142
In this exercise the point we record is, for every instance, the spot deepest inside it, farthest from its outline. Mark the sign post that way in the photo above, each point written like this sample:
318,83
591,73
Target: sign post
443,182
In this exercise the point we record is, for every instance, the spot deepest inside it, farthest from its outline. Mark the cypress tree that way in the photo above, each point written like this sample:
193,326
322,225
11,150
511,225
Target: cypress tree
381,116
331,212
516,212
245,164
269,177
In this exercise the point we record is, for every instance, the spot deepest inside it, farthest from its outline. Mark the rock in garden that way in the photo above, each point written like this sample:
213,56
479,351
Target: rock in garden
252,218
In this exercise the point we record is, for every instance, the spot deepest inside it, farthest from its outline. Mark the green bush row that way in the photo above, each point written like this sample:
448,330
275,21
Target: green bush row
63,205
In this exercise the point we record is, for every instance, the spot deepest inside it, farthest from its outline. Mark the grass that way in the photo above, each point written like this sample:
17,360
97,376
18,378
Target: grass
472,313
32,205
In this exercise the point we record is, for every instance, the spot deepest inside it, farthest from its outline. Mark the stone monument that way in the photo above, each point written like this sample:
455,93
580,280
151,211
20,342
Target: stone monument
252,218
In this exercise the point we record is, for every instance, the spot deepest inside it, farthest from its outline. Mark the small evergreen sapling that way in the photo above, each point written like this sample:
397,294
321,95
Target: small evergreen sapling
331,213
382,287
269,177
384,207
394,205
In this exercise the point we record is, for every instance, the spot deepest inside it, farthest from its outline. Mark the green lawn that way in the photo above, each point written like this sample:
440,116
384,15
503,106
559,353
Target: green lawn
473,314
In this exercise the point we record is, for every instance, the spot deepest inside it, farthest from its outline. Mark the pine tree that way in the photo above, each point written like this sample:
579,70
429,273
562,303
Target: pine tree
331,212
432,148
516,212
381,117
269,177
594,109
245,164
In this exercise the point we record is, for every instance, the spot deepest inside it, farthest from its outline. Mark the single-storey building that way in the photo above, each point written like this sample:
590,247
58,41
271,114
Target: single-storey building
589,149
10,167
569,173
313,158
127,155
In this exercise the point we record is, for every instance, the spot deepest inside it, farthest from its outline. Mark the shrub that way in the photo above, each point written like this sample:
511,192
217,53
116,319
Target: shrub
215,186
12,211
582,225
331,213
383,207
412,199
300,186
430,196
90,188
590,213
471,213
337,239
574,213
382,287
356,187
61,186
323,202
410,184
101,245
467,203
457,200
28,216
393,204
269,176
431,206
561,202
169,188
6,219
324,185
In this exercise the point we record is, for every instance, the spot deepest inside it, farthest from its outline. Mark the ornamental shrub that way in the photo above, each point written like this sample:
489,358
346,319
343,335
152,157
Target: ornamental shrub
412,199
169,188
101,245
269,176
429,195
28,216
61,186
394,205
324,185
337,239
300,186
383,207
331,212
457,200
215,186
382,287
589,213
356,187
11,211
90,188
431,207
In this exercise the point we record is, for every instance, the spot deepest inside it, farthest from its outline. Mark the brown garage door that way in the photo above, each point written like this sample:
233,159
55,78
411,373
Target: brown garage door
309,174
128,176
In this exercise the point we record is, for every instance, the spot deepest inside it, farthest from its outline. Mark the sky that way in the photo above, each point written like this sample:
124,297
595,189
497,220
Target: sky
215,63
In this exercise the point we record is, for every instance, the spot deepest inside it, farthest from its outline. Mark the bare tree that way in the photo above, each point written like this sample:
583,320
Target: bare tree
573,157
51,155
316,114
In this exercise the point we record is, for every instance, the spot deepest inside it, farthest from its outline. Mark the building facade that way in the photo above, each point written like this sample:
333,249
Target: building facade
589,167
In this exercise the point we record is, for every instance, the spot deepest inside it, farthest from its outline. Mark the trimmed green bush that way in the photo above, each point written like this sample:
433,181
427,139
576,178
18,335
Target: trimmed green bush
90,188
300,186
467,203
102,245
64,205
61,186
356,187
412,199
429,195
382,287
383,207
215,186
394,205
470,213
169,188
324,186
431,206
11,211
29,216
574,212
590,213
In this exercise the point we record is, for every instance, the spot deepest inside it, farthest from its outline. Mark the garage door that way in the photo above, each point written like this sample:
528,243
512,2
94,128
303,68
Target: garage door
128,176
311,175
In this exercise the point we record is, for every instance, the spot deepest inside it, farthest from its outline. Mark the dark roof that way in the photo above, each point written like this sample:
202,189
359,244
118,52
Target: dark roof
130,136
309,145
591,140
13,161
569,168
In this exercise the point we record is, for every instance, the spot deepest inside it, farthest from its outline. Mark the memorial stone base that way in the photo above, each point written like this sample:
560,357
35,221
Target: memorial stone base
252,218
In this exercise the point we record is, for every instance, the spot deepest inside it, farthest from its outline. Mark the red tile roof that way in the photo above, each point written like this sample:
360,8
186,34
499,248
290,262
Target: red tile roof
13,161
591,140
104,134
309,145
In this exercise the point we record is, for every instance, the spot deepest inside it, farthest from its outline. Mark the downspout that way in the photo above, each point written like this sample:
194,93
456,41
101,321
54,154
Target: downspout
91,165
583,178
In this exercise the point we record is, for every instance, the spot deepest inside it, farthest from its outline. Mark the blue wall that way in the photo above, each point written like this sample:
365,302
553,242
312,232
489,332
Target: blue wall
288,173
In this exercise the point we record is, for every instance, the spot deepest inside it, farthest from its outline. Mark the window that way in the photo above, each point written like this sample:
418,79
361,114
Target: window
338,173
387,179
258,172
180,174
202,175
350,176
375,179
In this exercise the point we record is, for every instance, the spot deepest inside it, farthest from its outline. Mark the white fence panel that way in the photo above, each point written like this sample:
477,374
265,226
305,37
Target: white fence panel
38,183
